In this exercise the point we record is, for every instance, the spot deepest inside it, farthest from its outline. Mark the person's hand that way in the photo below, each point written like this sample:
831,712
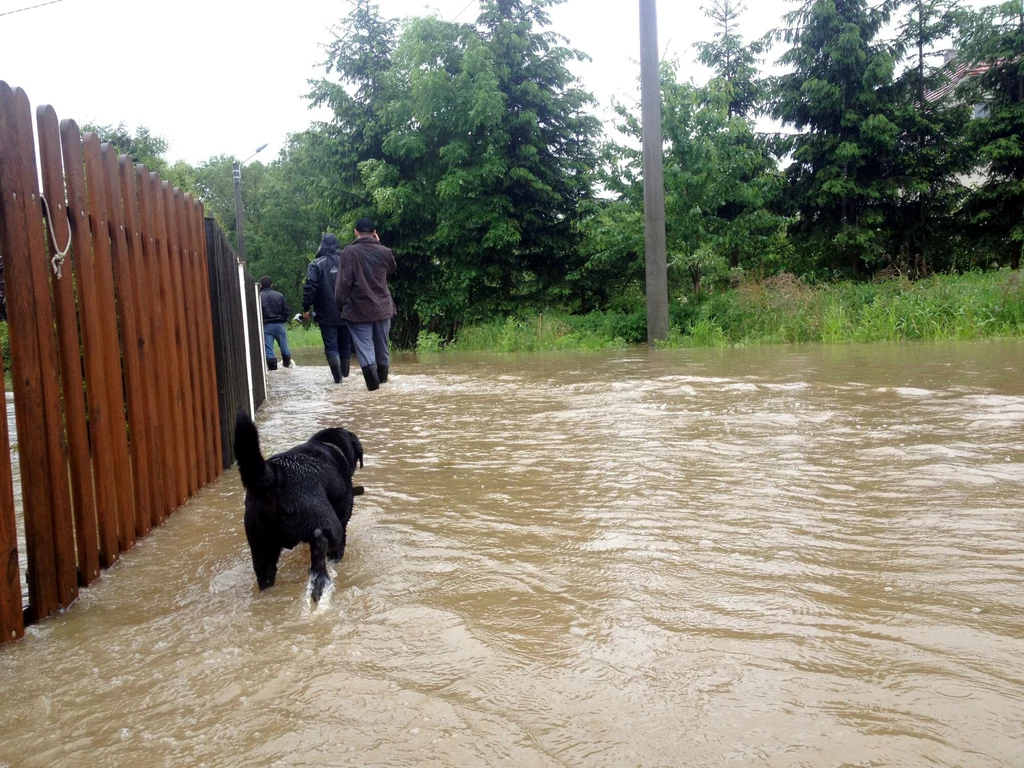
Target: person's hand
376,237
305,315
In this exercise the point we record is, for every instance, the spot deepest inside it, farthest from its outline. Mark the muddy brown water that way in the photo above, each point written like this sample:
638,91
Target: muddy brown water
775,557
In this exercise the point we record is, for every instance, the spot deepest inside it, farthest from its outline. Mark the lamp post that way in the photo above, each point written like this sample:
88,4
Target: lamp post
236,173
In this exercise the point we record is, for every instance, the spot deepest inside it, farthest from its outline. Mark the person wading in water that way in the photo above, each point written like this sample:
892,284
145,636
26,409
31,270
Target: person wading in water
364,300
318,293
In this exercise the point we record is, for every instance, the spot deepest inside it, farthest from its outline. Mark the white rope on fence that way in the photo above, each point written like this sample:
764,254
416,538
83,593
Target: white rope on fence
58,260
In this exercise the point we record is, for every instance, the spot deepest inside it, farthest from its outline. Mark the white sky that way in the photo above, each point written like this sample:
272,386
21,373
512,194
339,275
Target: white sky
222,77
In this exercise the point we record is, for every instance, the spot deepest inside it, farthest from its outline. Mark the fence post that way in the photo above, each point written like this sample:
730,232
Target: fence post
245,335
259,334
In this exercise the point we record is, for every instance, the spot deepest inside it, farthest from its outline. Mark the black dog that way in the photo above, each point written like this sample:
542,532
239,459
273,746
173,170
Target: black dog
301,495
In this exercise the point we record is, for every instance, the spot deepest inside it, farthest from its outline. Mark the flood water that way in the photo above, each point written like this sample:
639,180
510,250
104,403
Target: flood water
776,557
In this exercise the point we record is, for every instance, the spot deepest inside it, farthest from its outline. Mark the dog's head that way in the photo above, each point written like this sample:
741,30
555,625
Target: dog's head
343,440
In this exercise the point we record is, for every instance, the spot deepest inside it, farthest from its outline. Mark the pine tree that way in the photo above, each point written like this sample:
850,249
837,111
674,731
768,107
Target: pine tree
992,43
745,156
932,151
732,61
839,96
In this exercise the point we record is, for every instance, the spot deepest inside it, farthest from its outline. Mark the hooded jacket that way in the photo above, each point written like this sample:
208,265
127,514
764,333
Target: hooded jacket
321,276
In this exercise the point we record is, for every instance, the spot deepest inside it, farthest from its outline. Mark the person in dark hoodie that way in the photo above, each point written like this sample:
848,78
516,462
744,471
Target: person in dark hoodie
318,293
275,314
364,300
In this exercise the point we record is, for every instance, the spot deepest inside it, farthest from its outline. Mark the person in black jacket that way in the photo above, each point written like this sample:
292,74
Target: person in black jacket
275,315
318,293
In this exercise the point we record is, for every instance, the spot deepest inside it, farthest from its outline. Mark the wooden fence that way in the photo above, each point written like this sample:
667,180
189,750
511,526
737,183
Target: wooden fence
115,399
239,356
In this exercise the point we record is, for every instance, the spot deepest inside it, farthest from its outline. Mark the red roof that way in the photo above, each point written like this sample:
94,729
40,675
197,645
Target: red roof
957,74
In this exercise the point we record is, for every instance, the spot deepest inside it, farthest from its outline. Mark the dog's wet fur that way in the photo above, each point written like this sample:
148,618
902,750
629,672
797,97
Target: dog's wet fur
301,495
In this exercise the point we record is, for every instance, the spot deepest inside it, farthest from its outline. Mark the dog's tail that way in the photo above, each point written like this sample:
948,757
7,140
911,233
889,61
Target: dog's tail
256,473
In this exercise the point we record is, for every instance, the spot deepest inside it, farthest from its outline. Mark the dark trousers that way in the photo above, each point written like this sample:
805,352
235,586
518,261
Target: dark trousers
337,341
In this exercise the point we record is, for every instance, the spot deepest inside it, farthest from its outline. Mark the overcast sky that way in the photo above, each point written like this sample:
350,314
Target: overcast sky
220,77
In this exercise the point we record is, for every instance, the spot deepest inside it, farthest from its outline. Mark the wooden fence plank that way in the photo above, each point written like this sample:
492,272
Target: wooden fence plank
221,343
12,619
212,411
171,338
179,294
148,358
191,296
131,342
49,532
257,354
70,352
167,415
118,422
93,342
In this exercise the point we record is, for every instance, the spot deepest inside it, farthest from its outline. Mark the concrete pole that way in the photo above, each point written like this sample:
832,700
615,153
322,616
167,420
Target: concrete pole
236,173
654,177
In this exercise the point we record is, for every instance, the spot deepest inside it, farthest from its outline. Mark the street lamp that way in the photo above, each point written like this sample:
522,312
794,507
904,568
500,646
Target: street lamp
236,173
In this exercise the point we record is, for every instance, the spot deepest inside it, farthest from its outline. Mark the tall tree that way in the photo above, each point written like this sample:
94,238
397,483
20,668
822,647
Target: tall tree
733,61
932,151
358,58
485,153
737,78
839,96
719,180
991,41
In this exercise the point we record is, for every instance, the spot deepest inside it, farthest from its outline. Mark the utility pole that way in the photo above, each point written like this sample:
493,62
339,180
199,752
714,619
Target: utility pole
236,174
654,176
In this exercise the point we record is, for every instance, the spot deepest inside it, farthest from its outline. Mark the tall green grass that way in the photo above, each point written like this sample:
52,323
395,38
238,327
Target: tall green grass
784,310
544,332
304,337
780,310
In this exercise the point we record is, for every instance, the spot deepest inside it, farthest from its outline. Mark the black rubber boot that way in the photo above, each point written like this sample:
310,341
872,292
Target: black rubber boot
287,361
382,373
370,376
335,362
271,363
346,366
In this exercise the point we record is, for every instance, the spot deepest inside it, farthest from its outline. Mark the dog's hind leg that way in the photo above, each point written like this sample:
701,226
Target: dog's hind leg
318,547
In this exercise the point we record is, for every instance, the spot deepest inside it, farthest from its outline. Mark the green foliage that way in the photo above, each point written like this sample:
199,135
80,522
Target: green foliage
142,146
932,152
301,336
545,332
720,181
839,96
994,37
473,148
428,343
470,147
734,63
702,264
785,310
5,346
